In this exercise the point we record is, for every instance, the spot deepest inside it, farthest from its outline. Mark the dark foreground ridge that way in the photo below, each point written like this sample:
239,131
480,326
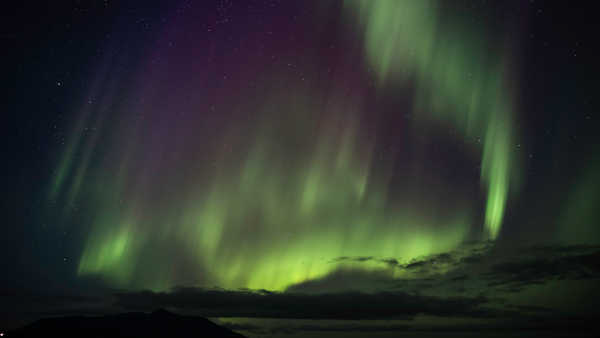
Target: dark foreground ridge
160,323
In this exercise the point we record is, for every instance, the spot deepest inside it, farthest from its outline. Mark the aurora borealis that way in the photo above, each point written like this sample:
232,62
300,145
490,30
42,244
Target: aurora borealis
272,158
292,184
455,82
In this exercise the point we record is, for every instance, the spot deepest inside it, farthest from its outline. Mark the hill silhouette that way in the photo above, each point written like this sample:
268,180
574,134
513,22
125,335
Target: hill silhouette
160,323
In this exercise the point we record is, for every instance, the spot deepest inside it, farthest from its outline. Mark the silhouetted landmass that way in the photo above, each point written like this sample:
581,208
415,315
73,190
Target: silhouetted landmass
160,323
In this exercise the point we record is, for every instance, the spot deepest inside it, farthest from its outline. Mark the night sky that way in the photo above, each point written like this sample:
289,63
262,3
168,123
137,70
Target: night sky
304,168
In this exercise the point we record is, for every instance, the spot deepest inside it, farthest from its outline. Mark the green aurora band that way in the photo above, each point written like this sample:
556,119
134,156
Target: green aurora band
251,217
288,220
457,82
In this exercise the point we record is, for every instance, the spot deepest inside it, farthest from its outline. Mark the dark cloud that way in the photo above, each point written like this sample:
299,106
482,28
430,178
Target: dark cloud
347,305
554,249
347,279
355,259
469,253
526,324
473,259
527,327
480,264
531,308
456,272
543,264
434,262
459,283
360,259
242,327
459,278
390,261
341,328
472,282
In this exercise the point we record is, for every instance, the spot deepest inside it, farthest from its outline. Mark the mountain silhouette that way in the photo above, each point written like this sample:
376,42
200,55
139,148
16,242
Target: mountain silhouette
160,323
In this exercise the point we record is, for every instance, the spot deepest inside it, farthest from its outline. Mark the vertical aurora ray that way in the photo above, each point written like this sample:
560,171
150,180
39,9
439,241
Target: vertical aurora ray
290,175
495,172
